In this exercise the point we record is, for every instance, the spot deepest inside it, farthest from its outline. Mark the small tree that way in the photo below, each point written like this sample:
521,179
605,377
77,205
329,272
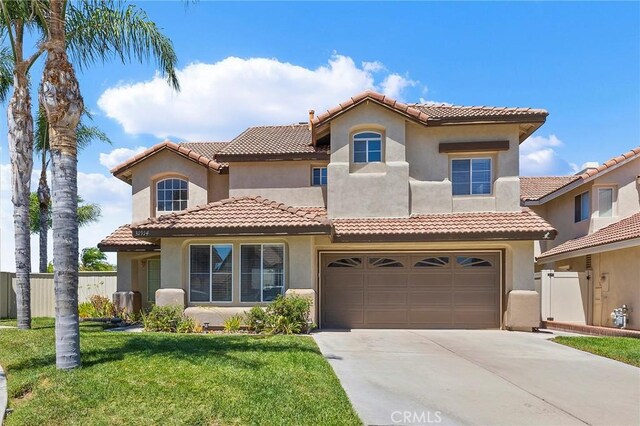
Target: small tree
93,259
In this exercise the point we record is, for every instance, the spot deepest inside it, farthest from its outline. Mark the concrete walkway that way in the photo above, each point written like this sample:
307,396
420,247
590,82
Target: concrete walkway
481,377
4,398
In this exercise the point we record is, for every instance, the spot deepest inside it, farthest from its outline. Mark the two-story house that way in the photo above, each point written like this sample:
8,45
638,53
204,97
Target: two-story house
597,214
388,215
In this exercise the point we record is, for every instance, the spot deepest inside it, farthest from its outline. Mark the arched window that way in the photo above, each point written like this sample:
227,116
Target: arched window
347,262
472,262
367,147
385,262
432,262
172,195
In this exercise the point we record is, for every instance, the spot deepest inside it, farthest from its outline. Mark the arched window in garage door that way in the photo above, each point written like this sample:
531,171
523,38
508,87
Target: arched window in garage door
385,262
473,262
347,262
432,262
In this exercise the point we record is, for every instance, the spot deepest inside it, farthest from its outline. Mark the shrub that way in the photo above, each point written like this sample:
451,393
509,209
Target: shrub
163,318
103,306
257,319
86,310
233,323
285,315
186,325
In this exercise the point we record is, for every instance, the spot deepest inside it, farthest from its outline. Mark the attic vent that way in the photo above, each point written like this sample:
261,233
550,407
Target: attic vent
588,261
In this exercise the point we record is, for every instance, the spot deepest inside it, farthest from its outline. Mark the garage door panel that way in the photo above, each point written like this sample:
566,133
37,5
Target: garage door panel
430,298
422,290
386,298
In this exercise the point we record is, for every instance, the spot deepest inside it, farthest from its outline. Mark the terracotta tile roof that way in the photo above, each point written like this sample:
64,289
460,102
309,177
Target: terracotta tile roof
122,240
533,189
428,113
180,149
625,229
442,227
635,152
536,187
243,215
273,142
208,149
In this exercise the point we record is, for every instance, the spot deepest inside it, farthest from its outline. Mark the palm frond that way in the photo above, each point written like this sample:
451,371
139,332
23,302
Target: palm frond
87,134
98,31
6,72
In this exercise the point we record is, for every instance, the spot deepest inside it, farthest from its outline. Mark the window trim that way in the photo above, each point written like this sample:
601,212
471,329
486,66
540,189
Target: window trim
284,270
613,200
471,194
326,177
367,140
157,183
211,273
588,215
149,300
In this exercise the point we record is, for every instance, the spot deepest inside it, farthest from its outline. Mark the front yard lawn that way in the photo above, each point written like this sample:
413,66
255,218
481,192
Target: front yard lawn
624,349
157,378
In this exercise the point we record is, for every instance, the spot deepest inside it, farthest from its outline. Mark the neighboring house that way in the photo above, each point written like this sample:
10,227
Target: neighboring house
388,215
597,215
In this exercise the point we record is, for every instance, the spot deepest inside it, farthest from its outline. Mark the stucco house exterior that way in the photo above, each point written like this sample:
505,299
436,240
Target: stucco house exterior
597,215
388,215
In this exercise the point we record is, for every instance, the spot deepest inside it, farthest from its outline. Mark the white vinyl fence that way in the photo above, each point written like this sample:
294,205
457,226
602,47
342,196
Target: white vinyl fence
564,296
43,303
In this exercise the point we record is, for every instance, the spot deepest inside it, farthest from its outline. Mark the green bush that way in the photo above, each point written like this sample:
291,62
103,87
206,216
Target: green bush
86,310
169,319
285,315
233,323
257,319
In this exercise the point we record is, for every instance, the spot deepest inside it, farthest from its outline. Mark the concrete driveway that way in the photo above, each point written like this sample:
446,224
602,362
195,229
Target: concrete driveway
480,377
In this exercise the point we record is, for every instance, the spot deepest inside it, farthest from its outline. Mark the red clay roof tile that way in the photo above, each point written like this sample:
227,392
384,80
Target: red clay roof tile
536,187
122,240
623,230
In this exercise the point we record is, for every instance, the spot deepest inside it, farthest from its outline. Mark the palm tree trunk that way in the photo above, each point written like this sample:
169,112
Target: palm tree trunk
44,200
61,99
20,126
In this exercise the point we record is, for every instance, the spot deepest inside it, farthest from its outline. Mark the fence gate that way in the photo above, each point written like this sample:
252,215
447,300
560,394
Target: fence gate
564,296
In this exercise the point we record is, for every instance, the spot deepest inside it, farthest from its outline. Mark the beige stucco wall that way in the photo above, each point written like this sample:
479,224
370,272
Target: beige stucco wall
431,174
217,186
132,272
621,268
286,181
371,190
159,166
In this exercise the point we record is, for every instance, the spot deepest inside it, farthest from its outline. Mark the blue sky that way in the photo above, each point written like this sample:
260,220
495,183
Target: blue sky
261,63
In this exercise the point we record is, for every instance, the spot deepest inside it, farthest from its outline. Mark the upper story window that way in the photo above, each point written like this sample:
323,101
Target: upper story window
172,195
581,207
367,147
605,202
319,176
471,176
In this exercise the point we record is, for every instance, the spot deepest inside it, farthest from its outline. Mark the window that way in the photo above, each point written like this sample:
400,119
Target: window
367,147
471,176
262,272
153,278
319,176
581,207
172,195
432,262
211,273
347,262
605,202
472,262
385,262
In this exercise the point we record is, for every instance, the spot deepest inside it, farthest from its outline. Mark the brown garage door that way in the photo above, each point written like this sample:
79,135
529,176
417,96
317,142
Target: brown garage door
416,290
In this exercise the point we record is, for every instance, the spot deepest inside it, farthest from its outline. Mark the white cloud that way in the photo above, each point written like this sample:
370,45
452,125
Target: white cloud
394,84
538,156
219,100
113,196
118,156
588,165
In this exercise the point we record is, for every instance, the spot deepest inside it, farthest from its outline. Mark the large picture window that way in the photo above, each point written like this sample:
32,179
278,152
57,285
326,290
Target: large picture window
211,273
172,195
367,147
471,176
261,272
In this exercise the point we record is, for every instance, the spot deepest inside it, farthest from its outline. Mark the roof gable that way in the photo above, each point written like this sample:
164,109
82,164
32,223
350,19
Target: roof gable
183,150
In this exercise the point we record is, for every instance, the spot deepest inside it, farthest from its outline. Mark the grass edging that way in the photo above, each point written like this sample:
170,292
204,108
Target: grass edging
623,349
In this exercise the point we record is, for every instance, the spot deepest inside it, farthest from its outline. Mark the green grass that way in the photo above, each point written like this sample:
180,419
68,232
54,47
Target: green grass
170,379
624,349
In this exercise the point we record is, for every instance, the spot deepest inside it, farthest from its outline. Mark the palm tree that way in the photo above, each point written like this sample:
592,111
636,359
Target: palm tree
18,16
42,213
92,31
